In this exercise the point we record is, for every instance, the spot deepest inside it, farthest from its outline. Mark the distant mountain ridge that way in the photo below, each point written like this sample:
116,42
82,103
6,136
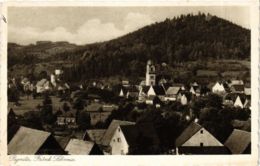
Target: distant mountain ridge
181,39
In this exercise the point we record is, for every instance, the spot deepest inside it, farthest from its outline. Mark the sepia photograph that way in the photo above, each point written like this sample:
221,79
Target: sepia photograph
129,80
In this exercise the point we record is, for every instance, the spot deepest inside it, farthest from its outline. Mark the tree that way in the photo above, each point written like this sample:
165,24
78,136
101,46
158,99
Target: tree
66,107
84,120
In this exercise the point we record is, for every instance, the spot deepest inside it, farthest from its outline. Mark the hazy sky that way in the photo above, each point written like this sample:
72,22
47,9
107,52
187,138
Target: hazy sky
82,25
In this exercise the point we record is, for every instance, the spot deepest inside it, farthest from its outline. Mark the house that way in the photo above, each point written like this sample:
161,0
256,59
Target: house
218,88
81,147
94,135
109,107
63,141
236,82
239,142
29,141
195,90
171,93
184,99
125,83
123,92
237,88
96,117
195,139
134,139
67,118
153,100
107,138
58,72
247,91
242,102
42,86
147,91
94,107
132,92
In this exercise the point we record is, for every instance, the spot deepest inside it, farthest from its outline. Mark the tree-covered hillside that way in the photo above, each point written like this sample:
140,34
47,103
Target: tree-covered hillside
185,38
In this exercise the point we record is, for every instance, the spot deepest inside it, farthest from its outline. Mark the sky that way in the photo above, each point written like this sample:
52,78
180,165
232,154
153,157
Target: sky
84,25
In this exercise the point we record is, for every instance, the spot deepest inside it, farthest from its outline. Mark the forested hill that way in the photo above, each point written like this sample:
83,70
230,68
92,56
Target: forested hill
184,38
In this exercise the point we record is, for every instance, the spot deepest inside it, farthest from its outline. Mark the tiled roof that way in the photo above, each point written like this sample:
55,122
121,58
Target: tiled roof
27,141
187,133
238,141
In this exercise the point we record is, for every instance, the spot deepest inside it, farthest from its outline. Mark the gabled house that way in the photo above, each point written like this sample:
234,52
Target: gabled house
236,82
123,92
43,85
62,140
172,93
67,118
195,90
81,147
132,92
94,135
27,141
218,88
195,139
239,142
107,138
135,139
242,102
237,88
153,100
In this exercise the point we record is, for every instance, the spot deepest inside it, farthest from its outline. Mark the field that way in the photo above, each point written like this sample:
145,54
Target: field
31,104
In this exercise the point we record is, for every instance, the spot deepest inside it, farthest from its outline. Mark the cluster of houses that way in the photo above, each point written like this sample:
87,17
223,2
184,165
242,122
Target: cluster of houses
153,92
43,85
123,138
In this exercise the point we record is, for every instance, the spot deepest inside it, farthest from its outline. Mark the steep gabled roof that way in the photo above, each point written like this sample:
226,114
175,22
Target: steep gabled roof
27,141
133,133
111,129
187,133
79,147
238,141
159,90
95,135
173,90
63,141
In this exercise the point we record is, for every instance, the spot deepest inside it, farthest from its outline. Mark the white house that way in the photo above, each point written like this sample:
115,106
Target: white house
125,138
118,143
184,99
42,86
218,88
108,139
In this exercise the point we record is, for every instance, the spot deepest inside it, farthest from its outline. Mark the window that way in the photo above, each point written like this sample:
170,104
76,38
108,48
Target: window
201,144
118,140
122,151
151,77
118,129
201,131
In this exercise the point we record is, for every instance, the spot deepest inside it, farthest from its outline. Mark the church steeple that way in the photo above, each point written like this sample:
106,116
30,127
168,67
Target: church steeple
150,74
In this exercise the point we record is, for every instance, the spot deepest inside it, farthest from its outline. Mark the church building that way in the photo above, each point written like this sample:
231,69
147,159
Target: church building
150,74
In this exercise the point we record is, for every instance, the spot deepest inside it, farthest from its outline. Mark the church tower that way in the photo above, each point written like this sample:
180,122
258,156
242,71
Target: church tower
150,74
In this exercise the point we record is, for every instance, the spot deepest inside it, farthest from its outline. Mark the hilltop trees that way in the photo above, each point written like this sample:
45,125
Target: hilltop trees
177,40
